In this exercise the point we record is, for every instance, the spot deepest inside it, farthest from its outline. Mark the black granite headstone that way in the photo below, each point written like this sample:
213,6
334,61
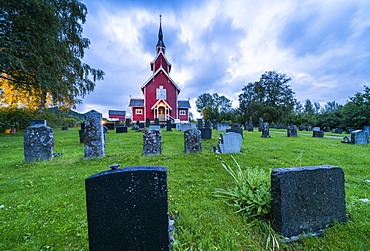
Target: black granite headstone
318,134
81,133
200,123
141,125
237,130
127,209
206,133
121,129
82,125
127,121
292,131
147,122
110,126
306,199
156,121
207,124
168,126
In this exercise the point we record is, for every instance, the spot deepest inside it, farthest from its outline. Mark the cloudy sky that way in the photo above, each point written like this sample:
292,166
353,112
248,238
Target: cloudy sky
218,46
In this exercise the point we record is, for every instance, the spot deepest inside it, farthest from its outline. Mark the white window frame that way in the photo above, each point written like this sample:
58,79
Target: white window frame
182,112
139,111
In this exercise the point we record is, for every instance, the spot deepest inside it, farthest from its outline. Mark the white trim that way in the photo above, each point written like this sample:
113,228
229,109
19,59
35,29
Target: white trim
155,74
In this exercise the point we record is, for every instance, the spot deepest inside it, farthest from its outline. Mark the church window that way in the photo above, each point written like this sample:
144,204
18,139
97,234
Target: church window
182,112
139,111
161,93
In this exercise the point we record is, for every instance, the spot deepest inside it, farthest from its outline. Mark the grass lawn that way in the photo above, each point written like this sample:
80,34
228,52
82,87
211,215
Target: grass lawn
42,204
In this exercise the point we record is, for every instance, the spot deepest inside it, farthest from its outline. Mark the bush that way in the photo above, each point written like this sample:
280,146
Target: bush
250,193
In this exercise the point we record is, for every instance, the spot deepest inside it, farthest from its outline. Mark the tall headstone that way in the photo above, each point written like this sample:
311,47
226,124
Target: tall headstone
127,209
193,141
168,126
147,122
265,130
156,121
231,142
94,135
367,128
250,125
306,199
359,137
200,123
127,122
152,142
260,124
208,124
292,131
81,133
38,143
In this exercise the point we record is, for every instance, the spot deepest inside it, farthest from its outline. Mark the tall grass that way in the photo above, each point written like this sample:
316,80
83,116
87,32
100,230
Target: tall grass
42,204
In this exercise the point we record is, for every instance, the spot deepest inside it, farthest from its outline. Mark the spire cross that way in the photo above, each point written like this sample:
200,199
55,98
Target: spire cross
160,18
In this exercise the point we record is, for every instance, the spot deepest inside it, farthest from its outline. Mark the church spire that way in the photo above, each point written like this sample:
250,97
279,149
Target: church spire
160,34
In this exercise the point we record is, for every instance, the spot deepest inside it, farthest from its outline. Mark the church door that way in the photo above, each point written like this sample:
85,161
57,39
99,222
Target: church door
161,114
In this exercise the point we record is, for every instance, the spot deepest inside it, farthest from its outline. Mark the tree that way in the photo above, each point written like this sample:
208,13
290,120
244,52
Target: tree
270,98
213,106
41,48
356,112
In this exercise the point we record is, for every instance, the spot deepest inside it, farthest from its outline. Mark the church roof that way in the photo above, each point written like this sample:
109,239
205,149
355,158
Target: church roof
136,102
160,37
184,104
165,73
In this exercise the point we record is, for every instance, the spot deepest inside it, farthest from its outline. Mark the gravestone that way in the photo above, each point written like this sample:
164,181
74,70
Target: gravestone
184,127
308,128
265,130
193,141
231,142
121,129
206,133
222,127
94,135
349,131
301,128
249,126
156,121
207,124
81,133
154,127
110,126
38,122
260,124
168,126
318,134
292,131
367,128
147,122
141,125
127,209
65,128
38,143
152,142
359,137
316,129
200,123
306,199
127,122
237,130
134,127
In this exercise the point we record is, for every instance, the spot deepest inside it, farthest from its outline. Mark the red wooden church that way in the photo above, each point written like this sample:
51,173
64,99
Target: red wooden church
160,92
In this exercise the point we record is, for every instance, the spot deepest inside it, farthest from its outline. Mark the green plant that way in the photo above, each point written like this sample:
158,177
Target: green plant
250,193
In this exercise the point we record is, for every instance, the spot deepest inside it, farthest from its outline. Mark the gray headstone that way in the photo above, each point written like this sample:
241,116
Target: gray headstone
206,133
222,127
265,130
292,131
94,135
200,123
308,128
168,126
367,128
260,124
38,122
127,209
152,142
110,126
316,129
306,199
231,142
207,124
38,143
237,130
359,137
154,127
318,134
193,141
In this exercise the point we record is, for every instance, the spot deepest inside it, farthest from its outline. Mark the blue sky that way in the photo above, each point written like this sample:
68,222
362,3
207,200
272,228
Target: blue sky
220,46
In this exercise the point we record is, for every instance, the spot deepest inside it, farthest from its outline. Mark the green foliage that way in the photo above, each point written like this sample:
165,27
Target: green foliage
42,48
250,193
214,107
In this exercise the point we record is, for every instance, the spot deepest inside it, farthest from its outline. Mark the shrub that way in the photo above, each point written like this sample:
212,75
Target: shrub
250,193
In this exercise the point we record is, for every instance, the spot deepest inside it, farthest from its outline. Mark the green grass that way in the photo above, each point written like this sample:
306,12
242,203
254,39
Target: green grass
43,203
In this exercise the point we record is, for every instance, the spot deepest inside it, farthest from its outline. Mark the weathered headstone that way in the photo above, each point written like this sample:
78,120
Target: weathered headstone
206,133
222,127
306,199
168,126
94,135
292,131
127,209
249,125
231,142
156,121
38,143
121,129
193,141
237,130
147,122
260,124
318,134
265,130
359,137
152,142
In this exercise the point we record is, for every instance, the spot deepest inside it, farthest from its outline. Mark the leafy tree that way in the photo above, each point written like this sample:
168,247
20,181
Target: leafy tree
270,98
213,107
356,111
332,115
41,47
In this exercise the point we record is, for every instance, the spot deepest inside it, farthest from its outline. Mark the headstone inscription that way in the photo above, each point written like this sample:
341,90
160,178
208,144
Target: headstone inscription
359,137
231,142
206,133
127,209
94,135
292,131
38,143
193,141
306,199
152,142
265,130
168,126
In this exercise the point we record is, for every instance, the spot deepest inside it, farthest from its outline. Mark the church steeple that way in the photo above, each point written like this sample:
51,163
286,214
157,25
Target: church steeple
160,34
